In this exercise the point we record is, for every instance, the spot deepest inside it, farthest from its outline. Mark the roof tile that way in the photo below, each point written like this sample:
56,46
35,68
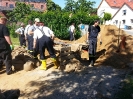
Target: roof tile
119,3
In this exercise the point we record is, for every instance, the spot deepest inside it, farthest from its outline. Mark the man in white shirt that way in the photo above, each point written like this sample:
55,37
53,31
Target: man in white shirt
20,31
31,30
30,23
45,38
72,31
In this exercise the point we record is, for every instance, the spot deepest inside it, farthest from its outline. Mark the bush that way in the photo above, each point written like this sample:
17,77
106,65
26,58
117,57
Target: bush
12,28
60,21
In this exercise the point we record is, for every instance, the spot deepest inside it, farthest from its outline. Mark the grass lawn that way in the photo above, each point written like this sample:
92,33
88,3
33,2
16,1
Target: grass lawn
15,41
127,90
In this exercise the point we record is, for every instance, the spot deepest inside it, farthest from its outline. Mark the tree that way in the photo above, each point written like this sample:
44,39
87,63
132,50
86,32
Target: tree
19,12
52,6
70,5
84,5
79,5
107,16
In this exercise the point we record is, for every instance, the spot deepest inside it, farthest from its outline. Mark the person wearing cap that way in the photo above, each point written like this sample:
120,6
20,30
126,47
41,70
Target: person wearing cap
5,46
45,38
36,49
31,30
20,31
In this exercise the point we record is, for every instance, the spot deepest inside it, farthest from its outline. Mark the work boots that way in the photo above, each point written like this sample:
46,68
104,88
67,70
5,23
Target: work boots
43,65
55,63
91,61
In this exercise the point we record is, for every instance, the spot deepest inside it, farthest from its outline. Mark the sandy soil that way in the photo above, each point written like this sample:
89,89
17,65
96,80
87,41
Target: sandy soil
106,55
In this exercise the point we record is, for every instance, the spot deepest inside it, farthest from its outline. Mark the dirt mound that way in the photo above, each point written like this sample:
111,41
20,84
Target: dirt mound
111,52
20,58
107,52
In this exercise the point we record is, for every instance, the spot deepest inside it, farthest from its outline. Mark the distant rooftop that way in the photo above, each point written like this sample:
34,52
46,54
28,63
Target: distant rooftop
41,1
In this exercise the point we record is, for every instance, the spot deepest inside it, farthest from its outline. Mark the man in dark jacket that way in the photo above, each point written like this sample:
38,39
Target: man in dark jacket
5,46
93,32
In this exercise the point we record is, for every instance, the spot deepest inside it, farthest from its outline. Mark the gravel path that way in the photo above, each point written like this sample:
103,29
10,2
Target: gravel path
92,83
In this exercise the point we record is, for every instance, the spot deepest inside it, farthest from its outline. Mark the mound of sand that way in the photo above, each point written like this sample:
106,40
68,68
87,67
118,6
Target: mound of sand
107,52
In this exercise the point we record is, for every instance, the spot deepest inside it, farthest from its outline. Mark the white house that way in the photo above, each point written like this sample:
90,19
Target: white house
121,11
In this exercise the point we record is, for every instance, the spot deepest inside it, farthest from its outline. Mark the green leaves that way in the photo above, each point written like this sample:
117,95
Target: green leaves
79,5
19,12
107,16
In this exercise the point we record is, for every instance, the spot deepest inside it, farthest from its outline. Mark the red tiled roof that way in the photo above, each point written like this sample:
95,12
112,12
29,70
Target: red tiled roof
130,4
119,3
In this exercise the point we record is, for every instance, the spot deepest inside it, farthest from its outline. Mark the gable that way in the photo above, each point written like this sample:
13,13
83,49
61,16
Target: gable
128,8
117,3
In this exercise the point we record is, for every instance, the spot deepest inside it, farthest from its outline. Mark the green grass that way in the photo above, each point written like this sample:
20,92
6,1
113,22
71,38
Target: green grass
15,41
127,90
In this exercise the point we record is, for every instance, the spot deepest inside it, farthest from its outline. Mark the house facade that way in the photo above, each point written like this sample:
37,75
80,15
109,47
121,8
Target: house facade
123,17
121,11
39,5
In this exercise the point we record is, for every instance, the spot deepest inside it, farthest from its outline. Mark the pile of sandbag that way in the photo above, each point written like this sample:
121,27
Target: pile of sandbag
22,60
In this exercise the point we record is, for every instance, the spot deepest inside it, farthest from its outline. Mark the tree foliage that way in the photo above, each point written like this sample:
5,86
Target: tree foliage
19,12
79,5
58,20
51,6
107,16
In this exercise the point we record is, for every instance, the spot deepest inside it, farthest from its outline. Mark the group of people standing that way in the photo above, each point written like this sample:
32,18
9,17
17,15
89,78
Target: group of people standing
39,37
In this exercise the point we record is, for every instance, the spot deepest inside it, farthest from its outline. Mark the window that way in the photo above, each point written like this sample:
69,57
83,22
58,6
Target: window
131,20
42,7
124,12
123,21
11,6
32,5
116,21
6,4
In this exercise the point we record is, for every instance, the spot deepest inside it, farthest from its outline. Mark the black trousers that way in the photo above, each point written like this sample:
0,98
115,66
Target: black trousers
30,42
5,56
22,40
36,50
46,42
92,50
71,36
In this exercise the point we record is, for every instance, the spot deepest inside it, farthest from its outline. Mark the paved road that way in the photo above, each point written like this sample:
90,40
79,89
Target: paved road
130,32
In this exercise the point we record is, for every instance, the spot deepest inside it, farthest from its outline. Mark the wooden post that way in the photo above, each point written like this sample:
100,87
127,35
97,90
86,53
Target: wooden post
119,34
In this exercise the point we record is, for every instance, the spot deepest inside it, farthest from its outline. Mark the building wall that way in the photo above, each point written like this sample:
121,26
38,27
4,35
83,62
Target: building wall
120,17
11,3
104,7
